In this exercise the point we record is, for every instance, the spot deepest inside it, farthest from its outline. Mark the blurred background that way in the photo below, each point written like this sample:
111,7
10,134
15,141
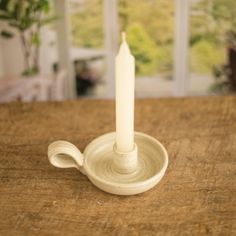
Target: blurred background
63,49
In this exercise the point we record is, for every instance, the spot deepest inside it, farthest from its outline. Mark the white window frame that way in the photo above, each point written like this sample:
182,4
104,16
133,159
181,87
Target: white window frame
63,43
181,47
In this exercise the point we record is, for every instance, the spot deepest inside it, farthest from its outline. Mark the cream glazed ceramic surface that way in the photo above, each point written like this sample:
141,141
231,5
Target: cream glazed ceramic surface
112,171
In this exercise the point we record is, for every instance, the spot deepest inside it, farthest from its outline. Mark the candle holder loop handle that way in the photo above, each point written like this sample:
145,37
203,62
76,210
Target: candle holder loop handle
64,154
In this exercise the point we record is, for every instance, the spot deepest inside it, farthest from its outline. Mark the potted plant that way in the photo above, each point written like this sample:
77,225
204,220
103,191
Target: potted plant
26,17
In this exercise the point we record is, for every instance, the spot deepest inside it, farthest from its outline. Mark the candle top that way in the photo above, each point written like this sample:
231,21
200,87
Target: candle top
124,48
123,35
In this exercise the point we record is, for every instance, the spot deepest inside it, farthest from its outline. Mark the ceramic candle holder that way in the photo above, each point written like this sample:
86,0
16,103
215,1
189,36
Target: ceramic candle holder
113,171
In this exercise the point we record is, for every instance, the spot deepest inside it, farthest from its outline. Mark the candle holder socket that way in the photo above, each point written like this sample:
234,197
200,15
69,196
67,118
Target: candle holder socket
125,162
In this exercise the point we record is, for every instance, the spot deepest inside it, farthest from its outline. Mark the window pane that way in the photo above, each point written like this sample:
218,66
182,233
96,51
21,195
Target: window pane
149,27
87,23
212,25
87,40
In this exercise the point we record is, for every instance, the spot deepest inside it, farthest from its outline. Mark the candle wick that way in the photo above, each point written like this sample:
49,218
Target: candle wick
123,36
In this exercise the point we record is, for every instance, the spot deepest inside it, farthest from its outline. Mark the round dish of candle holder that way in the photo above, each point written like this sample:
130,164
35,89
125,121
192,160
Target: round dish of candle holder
97,162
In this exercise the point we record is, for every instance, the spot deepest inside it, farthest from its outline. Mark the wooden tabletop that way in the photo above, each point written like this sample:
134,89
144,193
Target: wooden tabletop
196,196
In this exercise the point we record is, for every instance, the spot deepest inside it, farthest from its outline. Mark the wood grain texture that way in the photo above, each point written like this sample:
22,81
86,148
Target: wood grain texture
195,197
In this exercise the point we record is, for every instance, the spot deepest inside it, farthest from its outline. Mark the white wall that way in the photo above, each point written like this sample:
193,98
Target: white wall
48,50
11,55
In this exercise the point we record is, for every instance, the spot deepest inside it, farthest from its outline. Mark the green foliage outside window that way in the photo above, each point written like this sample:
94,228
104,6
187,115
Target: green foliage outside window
205,55
145,56
87,25
149,26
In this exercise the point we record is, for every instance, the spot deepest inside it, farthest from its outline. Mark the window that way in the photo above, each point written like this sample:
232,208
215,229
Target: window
180,46
211,23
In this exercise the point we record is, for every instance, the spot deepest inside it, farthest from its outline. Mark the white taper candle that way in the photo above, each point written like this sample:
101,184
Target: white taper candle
125,76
